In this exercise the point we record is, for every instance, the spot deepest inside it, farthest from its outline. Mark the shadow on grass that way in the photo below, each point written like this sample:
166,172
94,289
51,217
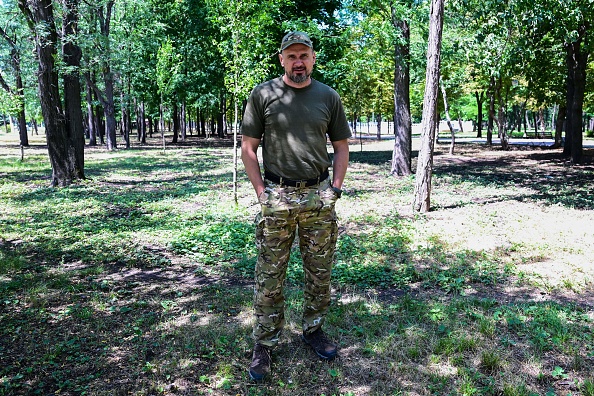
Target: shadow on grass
115,331
552,181
547,174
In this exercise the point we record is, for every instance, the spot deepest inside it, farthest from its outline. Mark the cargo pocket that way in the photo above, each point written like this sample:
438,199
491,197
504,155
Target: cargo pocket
328,196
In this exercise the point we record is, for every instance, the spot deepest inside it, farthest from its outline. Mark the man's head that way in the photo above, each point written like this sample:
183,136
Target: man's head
297,58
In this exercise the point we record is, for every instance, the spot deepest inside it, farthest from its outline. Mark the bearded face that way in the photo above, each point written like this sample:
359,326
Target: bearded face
298,61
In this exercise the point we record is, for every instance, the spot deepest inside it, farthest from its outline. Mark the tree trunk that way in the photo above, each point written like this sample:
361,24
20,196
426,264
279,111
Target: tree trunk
221,127
15,62
543,124
125,121
479,116
198,122
21,117
491,111
183,121
190,121
576,61
202,124
61,151
109,111
559,125
91,123
72,99
501,111
448,119
104,17
401,155
137,114
422,195
175,116
378,119
99,122
143,122
149,121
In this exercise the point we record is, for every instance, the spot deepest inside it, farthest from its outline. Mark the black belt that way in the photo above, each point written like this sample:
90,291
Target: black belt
296,183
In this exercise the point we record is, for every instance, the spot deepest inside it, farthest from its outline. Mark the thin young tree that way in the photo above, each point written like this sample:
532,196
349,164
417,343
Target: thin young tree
18,90
422,195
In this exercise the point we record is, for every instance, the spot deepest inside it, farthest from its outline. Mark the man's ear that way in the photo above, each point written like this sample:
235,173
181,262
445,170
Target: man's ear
280,59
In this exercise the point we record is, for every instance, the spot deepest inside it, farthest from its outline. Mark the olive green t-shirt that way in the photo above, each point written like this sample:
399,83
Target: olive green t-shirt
294,124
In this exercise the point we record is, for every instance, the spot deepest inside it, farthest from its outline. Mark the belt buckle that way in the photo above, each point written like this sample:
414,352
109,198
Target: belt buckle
301,184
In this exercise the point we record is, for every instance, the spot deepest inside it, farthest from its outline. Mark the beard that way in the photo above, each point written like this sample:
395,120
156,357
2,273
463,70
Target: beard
299,78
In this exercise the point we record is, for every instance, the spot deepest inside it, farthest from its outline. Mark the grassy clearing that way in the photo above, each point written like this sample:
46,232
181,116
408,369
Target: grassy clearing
138,280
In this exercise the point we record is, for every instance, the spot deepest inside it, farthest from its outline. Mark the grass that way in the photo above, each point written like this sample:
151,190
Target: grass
138,280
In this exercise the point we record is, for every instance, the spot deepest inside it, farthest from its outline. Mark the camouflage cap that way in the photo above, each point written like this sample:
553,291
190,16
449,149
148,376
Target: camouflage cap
295,38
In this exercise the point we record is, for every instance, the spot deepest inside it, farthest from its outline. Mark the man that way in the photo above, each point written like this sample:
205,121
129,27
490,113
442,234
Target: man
293,116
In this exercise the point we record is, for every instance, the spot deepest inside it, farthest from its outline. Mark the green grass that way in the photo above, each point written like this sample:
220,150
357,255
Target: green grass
139,281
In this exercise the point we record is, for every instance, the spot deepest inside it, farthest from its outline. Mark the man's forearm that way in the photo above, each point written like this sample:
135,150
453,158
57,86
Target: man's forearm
340,163
253,173
249,157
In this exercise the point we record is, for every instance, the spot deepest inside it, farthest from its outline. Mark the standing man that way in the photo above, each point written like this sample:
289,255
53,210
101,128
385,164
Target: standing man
294,115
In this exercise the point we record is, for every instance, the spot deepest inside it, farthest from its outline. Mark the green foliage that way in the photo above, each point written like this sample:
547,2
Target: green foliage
213,241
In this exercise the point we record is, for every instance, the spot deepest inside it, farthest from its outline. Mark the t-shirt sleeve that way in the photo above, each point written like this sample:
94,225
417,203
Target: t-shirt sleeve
252,124
339,128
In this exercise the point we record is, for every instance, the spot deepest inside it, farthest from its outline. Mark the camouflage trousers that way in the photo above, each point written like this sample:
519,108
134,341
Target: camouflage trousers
287,212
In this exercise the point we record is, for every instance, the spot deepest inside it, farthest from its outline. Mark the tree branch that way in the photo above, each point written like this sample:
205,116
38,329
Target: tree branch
96,89
4,85
29,17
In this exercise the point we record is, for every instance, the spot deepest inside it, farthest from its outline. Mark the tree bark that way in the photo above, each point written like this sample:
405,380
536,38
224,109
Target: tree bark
422,195
202,124
221,125
576,61
125,121
72,99
378,121
91,122
501,111
560,122
61,151
15,61
479,116
99,122
490,122
183,121
175,116
107,101
142,124
401,155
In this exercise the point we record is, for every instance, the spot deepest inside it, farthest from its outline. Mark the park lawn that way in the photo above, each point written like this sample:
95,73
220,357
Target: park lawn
137,280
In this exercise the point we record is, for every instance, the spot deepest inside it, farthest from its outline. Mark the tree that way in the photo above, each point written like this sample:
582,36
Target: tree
244,53
401,155
98,53
17,92
63,154
71,77
422,194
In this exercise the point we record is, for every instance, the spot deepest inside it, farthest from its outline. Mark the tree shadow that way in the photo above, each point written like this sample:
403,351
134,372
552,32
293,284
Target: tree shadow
550,179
